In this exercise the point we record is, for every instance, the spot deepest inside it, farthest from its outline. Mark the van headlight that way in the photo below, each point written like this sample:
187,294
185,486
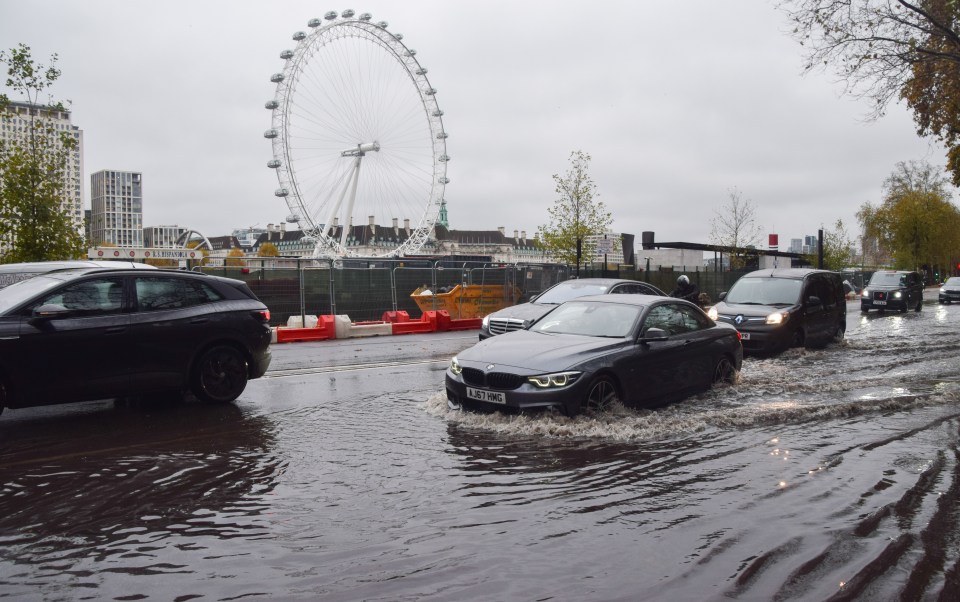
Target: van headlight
777,318
713,314
485,323
455,366
897,295
865,294
554,381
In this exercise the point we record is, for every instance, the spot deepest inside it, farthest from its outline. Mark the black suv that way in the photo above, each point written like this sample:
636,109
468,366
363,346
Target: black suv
782,308
893,290
86,334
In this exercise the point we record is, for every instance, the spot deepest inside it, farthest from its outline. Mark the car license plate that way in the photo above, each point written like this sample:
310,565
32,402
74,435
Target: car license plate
879,302
745,336
488,396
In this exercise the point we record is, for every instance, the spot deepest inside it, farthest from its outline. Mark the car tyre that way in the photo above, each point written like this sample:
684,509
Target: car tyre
724,372
601,394
839,333
220,375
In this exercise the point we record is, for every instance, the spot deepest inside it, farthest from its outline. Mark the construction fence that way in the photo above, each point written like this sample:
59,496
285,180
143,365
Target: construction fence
365,290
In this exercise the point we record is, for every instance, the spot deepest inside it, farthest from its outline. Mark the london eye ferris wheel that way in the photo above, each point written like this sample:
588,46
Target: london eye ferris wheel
357,138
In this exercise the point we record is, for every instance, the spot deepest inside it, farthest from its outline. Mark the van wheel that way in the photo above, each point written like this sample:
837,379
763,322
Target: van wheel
601,394
220,375
838,333
798,339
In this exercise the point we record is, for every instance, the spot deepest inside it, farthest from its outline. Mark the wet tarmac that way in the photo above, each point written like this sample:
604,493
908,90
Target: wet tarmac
828,474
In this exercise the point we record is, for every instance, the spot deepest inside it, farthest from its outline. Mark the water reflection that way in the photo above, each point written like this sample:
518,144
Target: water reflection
124,484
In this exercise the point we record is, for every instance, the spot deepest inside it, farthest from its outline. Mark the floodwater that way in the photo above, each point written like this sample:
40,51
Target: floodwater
829,474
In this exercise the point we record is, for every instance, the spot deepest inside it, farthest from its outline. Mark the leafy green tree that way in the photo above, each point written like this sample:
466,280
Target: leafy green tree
35,222
888,51
575,215
837,248
916,222
735,226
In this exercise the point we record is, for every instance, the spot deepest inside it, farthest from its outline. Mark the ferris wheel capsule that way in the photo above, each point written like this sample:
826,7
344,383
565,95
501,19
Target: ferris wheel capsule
314,23
286,54
382,24
271,104
274,163
293,218
271,133
276,78
300,35
281,192
331,15
365,16
347,13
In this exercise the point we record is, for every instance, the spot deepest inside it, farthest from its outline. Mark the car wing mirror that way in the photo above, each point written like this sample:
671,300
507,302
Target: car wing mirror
48,311
814,300
654,334
723,295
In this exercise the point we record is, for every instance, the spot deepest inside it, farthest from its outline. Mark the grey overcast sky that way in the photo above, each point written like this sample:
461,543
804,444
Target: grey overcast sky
677,102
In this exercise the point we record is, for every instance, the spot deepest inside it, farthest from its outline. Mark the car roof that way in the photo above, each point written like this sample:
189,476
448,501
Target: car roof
627,299
49,266
790,273
608,281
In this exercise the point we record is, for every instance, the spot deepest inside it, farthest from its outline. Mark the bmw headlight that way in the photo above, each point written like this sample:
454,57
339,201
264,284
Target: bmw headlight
713,314
943,290
554,381
485,323
455,366
777,317
897,295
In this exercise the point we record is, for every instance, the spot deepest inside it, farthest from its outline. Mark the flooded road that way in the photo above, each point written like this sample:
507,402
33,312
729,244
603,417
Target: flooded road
829,474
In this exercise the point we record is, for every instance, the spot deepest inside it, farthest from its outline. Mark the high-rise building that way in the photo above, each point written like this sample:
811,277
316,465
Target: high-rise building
116,203
15,123
162,237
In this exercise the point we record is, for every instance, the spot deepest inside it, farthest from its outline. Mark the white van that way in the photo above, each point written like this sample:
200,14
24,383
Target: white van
15,272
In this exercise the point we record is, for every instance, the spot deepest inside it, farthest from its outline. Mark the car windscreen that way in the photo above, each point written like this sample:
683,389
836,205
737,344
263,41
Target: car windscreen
571,289
954,281
887,279
765,291
17,293
590,318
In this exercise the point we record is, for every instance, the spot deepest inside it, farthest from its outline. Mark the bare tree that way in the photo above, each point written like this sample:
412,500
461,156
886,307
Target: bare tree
735,226
888,50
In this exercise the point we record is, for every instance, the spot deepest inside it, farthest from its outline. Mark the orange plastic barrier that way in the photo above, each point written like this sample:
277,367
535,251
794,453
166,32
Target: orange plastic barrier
324,330
426,323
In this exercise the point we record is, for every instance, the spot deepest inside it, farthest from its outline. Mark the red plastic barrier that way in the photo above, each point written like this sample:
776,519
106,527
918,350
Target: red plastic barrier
426,323
325,329
395,316
446,323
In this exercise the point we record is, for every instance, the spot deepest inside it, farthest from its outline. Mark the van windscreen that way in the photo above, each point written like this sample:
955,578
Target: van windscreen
765,291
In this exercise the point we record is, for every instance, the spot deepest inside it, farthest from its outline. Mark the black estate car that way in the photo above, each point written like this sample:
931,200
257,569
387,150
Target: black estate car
86,334
781,308
517,317
899,290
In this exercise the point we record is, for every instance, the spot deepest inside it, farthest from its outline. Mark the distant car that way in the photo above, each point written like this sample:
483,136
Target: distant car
950,290
15,272
516,317
643,350
775,309
887,289
86,334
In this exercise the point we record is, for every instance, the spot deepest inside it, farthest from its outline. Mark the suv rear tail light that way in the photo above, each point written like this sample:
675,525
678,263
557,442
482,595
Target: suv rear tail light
262,315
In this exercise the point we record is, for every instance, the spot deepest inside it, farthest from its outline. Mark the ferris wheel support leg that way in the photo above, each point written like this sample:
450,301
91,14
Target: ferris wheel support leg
353,197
